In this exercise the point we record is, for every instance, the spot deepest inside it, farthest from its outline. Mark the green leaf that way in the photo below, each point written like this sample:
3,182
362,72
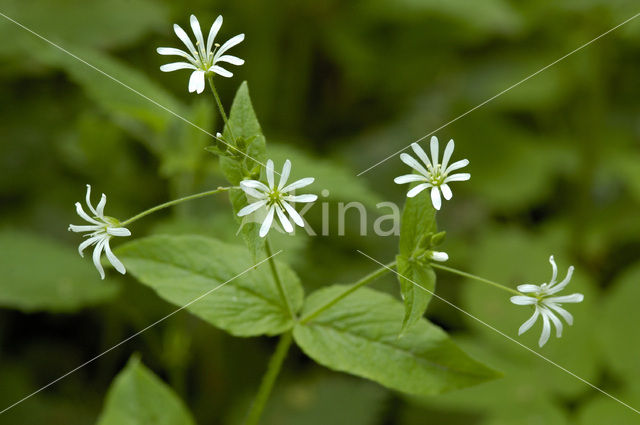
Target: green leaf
244,126
415,299
183,268
138,397
39,274
359,335
418,221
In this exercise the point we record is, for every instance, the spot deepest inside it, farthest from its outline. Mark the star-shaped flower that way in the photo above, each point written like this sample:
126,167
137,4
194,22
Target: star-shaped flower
276,199
201,58
100,230
546,305
432,174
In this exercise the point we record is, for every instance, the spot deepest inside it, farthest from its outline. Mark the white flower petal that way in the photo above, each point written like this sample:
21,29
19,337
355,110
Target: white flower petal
86,216
417,189
87,243
523,300
118,231
100,207
528,288
560,286
234,60
221,71
286,170
409,178
297,218
417,149
457,165
298,184
546,330
411,162
527,325
435,198
557,323
196,82
117,264
251,208
446,191
195,27
448,151
174,66
255,184
435,147
228,44
88,228
269,173
573,298
457,177
286,224
213,32
561,311
97,252
266,224
88,200
301,198
170,51
182,35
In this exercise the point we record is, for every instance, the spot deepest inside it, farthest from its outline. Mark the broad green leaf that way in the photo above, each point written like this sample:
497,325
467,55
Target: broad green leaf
415,298
244,125
138,397
359,335
39,274
183,268
329,175
418,221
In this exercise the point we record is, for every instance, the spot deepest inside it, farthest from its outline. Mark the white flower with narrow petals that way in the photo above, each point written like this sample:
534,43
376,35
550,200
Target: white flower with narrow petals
546,305
433,174
201,58
276,199
100,230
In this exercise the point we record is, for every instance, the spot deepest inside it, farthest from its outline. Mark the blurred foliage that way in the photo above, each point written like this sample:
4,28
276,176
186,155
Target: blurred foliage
337,86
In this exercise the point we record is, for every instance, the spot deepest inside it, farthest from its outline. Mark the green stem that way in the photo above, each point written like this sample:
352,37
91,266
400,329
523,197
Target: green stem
478,278
174,202
275,364
220,107
276,278
362,282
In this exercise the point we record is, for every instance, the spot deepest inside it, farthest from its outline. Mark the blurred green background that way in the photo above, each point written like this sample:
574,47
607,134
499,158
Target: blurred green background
337,86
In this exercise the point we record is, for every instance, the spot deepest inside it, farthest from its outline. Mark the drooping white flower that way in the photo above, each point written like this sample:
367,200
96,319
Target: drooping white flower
276,199
432,174
202,58
100,230
546,305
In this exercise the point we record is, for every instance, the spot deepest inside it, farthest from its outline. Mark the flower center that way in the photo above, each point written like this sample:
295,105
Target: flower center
436,177
274,197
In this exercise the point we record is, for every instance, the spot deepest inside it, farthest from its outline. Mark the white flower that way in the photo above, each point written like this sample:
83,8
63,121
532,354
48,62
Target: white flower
547,306
433,175
201,58
276,199
101,229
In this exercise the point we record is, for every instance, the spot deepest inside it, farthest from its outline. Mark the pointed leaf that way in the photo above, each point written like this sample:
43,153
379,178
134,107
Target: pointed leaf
182,268
415,299
359,335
